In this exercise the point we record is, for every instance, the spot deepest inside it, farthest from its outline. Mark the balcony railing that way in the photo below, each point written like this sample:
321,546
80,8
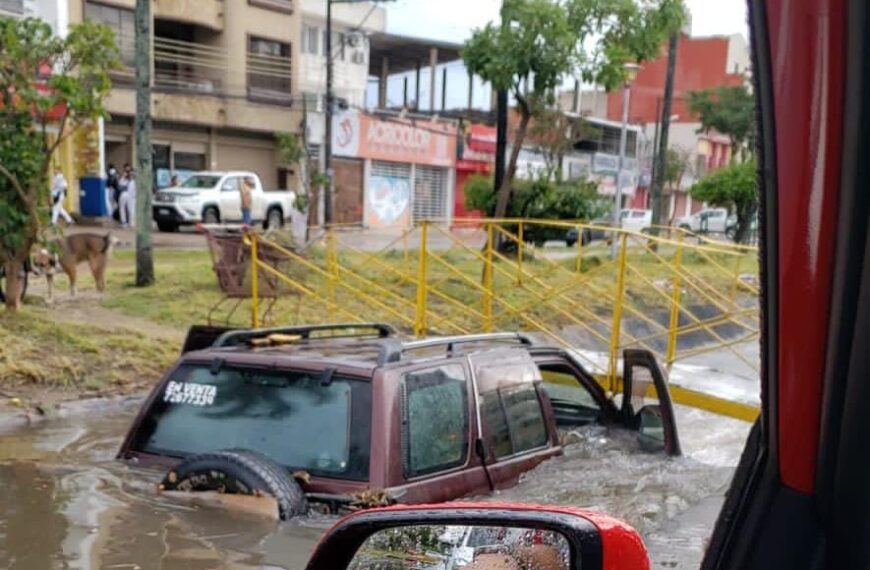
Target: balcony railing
189,66
269,78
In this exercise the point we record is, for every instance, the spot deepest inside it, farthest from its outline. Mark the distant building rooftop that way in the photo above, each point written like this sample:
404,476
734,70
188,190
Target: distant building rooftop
406,53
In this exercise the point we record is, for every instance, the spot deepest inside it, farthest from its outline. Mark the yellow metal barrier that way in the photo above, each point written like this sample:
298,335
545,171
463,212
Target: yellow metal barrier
676,294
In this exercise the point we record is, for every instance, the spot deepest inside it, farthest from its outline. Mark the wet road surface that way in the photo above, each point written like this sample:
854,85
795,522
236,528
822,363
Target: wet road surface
69,504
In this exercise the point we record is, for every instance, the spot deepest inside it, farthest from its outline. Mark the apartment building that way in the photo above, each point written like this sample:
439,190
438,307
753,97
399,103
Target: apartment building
352,25
223,84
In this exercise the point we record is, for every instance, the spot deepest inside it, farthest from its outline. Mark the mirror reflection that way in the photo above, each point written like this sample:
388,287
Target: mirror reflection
463,548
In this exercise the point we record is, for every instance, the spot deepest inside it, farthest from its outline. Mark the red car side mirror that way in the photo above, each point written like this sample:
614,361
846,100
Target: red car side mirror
474,536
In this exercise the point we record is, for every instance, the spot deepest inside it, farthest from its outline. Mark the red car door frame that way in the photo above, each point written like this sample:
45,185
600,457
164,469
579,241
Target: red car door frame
801,498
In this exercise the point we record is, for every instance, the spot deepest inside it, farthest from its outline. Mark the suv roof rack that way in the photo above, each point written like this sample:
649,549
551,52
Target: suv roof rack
392,350
242,336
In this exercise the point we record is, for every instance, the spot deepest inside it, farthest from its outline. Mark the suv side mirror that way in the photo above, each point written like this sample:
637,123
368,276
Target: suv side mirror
476,536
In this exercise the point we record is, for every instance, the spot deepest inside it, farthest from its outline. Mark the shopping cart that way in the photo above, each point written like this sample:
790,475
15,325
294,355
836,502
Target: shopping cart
231,261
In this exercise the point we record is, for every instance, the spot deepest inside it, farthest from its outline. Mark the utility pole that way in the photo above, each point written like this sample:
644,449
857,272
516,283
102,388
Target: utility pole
630,70
502,127
144,167
327,143
658,182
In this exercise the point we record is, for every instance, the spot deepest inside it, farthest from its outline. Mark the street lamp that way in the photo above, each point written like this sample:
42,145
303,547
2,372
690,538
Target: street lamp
631,70
330,101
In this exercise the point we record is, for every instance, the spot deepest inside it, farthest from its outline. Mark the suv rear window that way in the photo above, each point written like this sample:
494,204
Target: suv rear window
436,419
295,418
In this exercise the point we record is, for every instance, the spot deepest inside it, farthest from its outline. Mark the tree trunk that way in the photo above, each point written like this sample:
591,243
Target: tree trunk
662,152
13,268
144,168
504,193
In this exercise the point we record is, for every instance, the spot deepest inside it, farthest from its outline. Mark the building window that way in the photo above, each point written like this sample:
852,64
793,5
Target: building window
12,6
269,70
436,420
310,39
121,22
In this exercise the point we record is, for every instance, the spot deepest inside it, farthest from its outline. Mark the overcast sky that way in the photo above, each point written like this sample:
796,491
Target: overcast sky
454,19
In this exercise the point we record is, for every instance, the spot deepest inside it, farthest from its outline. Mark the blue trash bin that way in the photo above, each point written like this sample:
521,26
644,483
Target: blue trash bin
92,197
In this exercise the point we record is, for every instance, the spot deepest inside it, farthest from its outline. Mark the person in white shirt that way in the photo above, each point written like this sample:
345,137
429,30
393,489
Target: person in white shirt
58,193
127,200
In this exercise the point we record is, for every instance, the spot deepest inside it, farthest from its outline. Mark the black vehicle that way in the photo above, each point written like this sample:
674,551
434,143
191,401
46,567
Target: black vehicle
598,232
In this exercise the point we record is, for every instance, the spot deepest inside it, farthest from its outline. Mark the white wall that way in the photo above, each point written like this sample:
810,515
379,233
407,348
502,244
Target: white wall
738,55
350,77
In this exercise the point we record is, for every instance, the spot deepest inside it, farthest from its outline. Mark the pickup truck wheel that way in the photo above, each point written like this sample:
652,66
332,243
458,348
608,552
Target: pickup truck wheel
241,472
274,219
167,227
211,215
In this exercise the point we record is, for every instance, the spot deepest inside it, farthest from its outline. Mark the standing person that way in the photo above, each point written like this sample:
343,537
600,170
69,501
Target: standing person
120,188
247,191
58,193
112,191
127,201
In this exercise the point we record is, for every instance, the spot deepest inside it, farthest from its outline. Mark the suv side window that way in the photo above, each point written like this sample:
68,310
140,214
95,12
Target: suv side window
436,422
515,420
572,403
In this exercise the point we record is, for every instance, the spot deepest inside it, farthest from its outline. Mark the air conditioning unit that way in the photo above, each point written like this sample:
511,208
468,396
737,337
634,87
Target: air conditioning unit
358,57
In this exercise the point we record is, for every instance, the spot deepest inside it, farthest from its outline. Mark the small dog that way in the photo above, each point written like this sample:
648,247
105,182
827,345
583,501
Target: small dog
68,253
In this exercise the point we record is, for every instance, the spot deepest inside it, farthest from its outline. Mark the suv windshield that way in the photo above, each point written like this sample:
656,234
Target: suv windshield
298,419
200,181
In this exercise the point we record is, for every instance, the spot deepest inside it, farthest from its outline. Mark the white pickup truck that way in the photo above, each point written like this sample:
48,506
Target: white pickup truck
710,220
214,197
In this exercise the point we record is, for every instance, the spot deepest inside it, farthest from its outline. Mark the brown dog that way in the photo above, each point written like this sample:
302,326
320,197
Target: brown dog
69,253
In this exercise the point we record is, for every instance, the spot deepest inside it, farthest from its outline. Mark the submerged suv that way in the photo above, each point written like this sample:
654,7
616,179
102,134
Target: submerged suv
359,410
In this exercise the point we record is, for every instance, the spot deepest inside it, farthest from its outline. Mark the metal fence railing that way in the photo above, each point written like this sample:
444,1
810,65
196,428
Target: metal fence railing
676,295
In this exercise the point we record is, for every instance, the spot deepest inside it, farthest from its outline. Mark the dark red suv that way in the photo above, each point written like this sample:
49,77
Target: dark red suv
357,409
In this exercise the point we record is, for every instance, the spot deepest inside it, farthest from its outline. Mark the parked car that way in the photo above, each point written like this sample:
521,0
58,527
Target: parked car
596,230
599,229
710,220
214,197
419,421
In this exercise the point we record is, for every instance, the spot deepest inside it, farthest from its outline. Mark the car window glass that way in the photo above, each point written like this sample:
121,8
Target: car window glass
436,416
525,418
514,420
291,417
638,214
572,402
497,427
200,181
230,185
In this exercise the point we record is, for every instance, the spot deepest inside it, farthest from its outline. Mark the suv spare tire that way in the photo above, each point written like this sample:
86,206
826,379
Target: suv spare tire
240,472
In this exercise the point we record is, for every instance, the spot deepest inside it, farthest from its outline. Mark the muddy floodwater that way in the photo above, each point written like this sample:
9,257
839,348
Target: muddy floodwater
68,504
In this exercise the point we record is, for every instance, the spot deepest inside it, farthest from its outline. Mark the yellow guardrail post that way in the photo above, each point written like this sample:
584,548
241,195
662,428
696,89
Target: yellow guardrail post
520,244
738,259
617,312
331,272
422,293
579,264
255,283
487,280
676,295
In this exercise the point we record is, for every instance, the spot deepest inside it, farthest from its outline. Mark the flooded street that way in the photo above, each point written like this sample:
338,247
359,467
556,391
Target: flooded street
69,504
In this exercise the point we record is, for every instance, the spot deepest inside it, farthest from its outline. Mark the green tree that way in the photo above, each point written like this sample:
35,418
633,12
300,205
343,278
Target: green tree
539,42
734,187
49,86
729,111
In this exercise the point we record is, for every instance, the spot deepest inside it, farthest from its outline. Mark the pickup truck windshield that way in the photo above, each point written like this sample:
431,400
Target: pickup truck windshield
201,181
304,421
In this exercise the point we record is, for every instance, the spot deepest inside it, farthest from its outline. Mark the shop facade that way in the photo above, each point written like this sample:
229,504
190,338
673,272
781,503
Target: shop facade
393,171
475,155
